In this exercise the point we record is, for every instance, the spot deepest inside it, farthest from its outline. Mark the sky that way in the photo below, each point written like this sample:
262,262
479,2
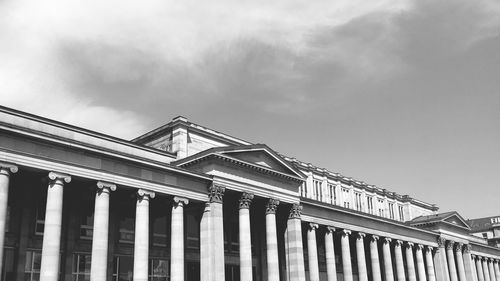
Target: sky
400,94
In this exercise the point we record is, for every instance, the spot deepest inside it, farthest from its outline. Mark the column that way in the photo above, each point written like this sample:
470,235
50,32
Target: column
312,252
469,266
440,261
410,264
245,237
273,271
346,255
296,270
5,171
420,262
398,255
331,267
460,262
479,268
430,264
141,242
486,270
177,239
497,269
474,267
374,258
386,251
49,270
360,257
451,261
491,269
99,262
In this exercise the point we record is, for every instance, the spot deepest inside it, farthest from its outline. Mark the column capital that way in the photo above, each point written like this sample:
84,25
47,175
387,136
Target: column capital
441,241
143,194
458,247
360,235
386,240
398,243
409,245
59,177
313,226
295,211
330,229
216,193
345,232
419,247
429,249
472,256
7,168
467,248
272,205
374,238
450,245
180,201
105,186
245,200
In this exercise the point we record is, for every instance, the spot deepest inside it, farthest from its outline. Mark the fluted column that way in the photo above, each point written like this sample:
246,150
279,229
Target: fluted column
245,237
430,264
177,239
49,270
497,269
420,262
451,261
486,270
410,263
99,261
374,258
296,270
460,262
386,251
360,257
479,268
491,269
346,255
5,171
273,271
331,267
141,242
469,266
312,252
398,255
440,261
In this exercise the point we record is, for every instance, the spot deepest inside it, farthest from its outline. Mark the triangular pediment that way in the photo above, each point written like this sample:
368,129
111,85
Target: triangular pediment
457,220
448,218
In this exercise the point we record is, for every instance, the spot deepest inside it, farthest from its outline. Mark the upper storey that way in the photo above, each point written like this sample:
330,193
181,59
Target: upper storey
186,139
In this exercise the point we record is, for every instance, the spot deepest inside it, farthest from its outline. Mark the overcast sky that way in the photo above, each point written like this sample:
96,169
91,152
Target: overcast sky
401,94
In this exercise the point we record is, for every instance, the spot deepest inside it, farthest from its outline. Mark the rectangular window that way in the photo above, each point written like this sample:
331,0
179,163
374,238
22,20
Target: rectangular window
40,217
81,267
158,270
127,230
87,226
345,193
160,231
369,204
391,211
192,232
401,213
32,266
123,268
357,201
318,190
381,207
333,194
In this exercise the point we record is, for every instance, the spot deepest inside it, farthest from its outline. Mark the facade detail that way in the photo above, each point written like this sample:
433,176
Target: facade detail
185,202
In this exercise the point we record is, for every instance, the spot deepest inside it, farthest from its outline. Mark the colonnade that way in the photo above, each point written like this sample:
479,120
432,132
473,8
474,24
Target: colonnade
485,268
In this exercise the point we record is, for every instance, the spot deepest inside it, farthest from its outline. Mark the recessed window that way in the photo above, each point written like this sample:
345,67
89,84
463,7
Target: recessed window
81,267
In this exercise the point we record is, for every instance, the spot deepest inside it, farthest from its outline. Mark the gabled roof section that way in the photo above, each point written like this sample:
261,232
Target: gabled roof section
450,218
255,156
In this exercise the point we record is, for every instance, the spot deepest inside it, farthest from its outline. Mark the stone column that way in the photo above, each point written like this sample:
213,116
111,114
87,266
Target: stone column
451,261
5,171
479,268
474,269
49,270
430,264
360,257
491,270
99,262
331,267
469,268
141,242
273,268
312,252
346,255
386,251
410,263
398,255
440,261
177,239
497,269
420,262
460,262
245,237
296,270
486,271
374,258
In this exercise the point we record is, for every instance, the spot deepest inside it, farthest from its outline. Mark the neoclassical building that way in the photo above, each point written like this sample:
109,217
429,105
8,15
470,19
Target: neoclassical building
185,202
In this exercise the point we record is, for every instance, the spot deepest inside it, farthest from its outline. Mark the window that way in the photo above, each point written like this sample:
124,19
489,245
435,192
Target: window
160,231
317,189
40,216
87,226
192,232
123,268
485,235
81,267
391,211
8,265
158,270
333,194
369,204
357,197
303,190
231,234
381,207
401,213
32,266
232,272
345,193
